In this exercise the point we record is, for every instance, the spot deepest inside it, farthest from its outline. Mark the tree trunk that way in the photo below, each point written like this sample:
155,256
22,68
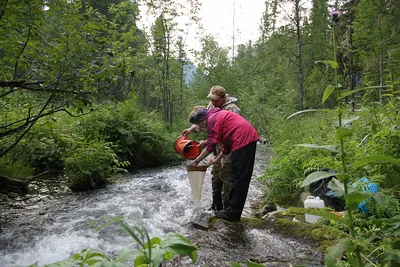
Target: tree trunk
299,54
15,185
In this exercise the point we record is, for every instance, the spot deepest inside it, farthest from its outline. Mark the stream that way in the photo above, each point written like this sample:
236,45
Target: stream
50,226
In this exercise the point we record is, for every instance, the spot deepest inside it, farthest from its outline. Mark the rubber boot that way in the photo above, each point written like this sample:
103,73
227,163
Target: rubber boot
217,201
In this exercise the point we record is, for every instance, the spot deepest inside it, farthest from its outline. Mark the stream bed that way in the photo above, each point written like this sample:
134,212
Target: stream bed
51,226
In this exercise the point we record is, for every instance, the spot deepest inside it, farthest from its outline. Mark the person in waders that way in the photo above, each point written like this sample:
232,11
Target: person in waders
221,171
238,137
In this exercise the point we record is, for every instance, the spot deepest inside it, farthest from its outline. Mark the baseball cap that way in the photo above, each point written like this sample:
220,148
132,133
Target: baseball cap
216,92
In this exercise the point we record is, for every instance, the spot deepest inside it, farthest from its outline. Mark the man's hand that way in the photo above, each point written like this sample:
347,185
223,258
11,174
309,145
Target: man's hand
187,131
202,144
193,163
211,162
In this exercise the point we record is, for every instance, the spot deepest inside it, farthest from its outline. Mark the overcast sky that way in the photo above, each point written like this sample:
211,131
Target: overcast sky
218,15
217,19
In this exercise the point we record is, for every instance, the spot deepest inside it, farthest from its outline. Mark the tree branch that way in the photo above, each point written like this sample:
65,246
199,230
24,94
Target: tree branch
3,8
30,125
23,181
21,51
22,84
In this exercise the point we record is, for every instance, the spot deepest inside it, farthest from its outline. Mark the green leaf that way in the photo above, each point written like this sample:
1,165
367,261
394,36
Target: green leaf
107,264
332,149
178,244
343,132
345,122
152,242
392,258
375,158
316,176
395,244
234,264
253,264
347,93
333,64
394,223
328,91
381,199
141,260
172,239
65,263
309,110
335,252
92,260
157,255
127,254
168,255
336,186
354,198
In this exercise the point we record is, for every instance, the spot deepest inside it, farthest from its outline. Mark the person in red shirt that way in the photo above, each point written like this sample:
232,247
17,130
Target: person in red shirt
221,171
236,135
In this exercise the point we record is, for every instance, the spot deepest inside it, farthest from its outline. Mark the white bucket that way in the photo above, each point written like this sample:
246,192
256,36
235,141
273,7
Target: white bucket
313,202
196,178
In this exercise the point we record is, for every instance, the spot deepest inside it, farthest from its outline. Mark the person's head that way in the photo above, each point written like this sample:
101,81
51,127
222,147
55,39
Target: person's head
198,116
217,95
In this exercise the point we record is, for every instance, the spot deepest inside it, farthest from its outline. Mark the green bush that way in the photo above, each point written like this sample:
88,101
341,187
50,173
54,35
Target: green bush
15,167
89,165
290,163
50,142
140,138
64,142
287,169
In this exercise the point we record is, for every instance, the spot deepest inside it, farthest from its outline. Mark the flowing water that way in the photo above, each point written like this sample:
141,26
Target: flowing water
51,226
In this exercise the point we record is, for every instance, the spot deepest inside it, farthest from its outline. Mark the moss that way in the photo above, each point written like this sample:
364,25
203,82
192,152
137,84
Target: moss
289,228
252,221
319,235
316,235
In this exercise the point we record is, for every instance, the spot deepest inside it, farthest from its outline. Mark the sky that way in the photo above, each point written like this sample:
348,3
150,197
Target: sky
217,19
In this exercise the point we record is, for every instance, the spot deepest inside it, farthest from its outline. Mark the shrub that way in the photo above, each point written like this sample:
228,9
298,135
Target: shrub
89,165
140,137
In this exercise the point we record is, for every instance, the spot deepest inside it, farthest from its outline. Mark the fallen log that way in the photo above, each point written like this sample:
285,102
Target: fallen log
20,186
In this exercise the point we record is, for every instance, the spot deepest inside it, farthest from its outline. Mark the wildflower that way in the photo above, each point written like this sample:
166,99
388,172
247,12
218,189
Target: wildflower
335,15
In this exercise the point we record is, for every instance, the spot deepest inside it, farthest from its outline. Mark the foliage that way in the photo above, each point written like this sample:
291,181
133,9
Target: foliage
43,55
140,137
95,144
289,164
111,139
89,164
151,252
70,57
14,167
353,246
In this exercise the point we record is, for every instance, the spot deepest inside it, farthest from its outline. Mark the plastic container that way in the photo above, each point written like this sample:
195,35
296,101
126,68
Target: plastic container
313,202
187,148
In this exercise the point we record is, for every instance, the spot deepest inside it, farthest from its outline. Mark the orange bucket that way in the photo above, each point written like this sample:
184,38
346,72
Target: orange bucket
187,148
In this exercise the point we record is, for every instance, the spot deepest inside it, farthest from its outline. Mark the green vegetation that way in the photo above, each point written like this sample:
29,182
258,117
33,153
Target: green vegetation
86,92
356,249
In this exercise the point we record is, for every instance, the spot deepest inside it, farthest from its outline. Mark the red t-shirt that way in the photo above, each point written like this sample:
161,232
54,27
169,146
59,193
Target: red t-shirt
230,129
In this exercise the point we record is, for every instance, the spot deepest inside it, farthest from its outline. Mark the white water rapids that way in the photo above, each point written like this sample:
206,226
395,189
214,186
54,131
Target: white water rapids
51,227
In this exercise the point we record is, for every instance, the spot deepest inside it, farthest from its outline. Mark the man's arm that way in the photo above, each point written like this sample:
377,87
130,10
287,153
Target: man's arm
192,129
